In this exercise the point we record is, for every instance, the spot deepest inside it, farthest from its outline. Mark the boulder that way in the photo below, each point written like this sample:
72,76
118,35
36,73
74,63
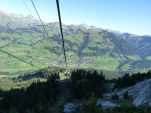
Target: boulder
70,107
105,104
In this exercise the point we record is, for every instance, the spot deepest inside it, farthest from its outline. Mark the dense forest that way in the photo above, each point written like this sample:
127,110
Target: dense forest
83,86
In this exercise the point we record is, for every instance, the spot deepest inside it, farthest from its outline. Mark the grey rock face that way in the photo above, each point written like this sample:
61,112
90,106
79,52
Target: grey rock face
141,93
105,104
69,108
144,94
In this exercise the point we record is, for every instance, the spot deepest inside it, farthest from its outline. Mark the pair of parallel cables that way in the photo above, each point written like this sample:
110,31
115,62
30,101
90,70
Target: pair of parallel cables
60,24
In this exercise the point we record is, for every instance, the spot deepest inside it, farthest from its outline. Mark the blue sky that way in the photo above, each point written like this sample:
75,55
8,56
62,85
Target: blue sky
133,16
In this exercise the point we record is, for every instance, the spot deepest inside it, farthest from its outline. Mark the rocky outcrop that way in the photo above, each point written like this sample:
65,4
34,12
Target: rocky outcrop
140,93
105,104
70,107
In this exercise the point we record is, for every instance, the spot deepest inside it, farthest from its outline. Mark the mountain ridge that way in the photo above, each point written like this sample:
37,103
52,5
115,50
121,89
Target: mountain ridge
86,46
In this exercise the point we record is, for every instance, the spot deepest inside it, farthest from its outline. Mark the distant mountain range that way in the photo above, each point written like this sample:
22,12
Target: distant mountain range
87,47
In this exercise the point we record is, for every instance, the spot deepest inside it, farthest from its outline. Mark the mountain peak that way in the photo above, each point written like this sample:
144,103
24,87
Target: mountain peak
16,20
